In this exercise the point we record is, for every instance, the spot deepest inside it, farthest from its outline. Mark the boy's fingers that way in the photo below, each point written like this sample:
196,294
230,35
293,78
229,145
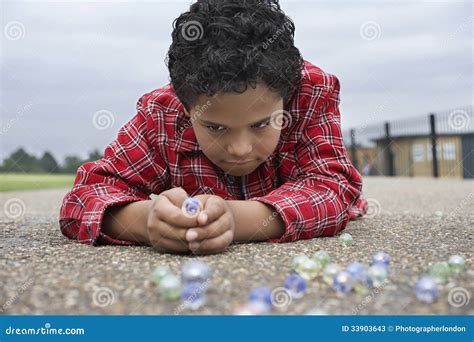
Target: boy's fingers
214,208
202,218
215,228
215,245
176,196
166,230
166,211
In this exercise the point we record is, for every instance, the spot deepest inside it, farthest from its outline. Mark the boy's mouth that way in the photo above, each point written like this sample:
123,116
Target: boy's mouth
239,162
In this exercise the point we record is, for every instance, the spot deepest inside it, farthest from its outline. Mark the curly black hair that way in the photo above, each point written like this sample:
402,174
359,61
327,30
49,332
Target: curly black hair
226,45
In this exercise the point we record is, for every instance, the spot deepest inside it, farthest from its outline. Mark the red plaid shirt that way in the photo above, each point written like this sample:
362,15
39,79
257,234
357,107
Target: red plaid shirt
309,178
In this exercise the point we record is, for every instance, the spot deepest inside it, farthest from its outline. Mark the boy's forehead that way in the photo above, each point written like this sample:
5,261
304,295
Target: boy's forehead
253,103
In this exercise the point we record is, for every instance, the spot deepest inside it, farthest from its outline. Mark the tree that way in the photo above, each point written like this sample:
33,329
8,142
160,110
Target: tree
95,155
21,161
71,164
48,163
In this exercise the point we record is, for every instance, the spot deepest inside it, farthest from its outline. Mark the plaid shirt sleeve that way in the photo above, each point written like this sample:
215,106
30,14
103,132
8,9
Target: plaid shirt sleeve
323,192
131,169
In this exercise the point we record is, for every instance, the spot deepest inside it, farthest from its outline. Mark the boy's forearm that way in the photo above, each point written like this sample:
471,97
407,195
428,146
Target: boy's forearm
256,221
128,221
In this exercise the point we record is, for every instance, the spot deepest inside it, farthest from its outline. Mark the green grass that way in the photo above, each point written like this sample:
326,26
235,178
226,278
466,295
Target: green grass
34,181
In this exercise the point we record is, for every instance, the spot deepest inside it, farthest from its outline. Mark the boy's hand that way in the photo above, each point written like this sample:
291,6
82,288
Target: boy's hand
216,226
166,224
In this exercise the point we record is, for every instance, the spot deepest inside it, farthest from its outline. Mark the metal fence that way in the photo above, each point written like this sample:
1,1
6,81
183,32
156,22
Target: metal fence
439,144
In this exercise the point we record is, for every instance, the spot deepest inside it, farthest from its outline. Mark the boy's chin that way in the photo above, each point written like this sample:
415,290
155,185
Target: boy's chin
239,171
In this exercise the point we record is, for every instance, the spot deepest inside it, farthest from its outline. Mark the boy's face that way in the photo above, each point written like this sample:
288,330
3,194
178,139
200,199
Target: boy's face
238,132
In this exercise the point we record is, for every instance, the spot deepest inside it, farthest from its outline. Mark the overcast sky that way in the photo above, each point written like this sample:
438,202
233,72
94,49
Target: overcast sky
65,63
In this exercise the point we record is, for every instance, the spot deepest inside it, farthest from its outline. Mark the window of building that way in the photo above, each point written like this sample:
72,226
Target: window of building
418,152
449,151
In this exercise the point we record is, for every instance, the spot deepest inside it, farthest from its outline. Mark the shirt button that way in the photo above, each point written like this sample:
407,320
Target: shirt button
230,179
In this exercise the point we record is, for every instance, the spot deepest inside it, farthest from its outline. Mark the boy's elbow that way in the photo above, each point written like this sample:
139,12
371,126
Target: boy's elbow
69,227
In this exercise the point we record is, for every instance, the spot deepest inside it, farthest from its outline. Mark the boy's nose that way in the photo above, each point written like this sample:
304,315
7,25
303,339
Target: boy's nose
239,150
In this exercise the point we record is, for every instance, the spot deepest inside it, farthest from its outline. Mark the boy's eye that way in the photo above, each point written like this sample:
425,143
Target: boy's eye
222,128
262,124
215,128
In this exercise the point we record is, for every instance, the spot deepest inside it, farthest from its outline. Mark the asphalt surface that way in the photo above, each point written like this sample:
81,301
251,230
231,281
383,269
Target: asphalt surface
417,221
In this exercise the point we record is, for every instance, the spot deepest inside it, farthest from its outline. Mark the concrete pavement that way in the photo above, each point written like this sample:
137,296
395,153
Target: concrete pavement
417,221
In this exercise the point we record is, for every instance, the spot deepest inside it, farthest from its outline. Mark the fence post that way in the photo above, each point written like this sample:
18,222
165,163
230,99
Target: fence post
433,135
354,149
388,151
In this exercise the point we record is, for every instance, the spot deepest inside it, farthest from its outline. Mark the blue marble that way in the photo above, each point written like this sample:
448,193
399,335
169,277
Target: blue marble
296,285
261,295
426,289
381,258
193,295
191,206
360,273
343,282
195,271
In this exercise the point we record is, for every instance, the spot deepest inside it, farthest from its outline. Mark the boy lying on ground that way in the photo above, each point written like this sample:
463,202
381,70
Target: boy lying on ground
246,125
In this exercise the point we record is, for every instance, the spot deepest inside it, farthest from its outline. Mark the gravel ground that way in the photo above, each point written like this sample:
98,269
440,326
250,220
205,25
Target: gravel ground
42,272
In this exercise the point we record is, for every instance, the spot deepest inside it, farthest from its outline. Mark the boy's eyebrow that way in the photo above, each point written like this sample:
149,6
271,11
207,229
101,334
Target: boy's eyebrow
218,124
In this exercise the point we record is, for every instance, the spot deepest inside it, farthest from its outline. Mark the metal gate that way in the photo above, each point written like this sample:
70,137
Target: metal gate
468,155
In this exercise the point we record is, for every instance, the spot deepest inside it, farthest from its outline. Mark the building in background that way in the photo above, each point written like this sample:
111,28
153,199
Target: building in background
438,145
413,155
